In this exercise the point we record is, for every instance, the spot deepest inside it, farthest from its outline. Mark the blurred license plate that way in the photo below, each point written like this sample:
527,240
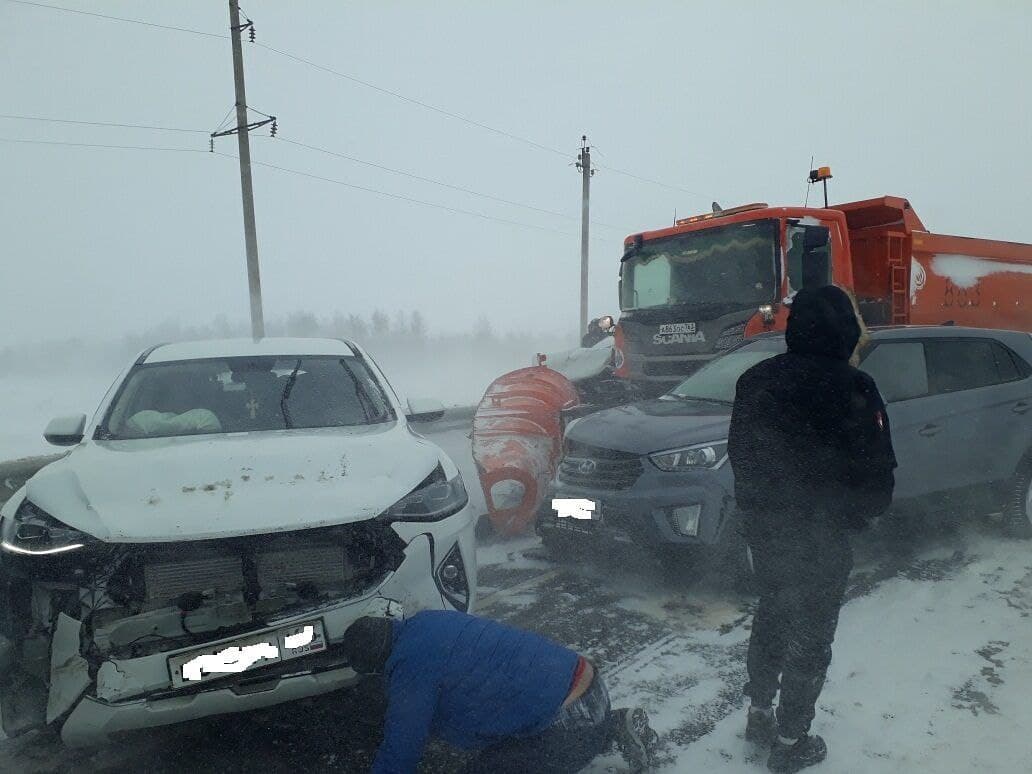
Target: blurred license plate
573,524
246,653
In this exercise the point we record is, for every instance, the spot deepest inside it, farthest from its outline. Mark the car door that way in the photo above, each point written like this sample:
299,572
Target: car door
984,384
900,371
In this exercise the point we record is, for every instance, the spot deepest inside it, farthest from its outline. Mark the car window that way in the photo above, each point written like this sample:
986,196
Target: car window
966,364
898,368
1010,368
807,268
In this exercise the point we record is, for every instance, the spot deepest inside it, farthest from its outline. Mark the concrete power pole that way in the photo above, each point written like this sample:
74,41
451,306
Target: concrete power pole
254,281
584,165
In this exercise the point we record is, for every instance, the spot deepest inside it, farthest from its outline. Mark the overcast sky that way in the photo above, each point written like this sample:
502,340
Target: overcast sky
727,101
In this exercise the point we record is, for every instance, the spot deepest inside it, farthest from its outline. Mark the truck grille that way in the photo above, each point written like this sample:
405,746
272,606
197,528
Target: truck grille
597,468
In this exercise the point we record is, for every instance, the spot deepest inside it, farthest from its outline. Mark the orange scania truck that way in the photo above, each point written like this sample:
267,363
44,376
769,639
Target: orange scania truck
692,291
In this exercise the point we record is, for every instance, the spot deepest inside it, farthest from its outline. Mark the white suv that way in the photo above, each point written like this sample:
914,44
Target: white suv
231,508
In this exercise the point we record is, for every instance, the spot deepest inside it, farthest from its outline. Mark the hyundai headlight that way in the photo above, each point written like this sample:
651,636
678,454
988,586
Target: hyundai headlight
35,532
701,456
435,498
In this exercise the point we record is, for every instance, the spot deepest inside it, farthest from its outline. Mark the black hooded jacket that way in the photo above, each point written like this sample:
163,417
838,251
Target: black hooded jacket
809,437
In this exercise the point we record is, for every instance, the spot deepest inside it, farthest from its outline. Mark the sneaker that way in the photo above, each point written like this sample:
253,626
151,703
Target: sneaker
791,757
761,727
634,737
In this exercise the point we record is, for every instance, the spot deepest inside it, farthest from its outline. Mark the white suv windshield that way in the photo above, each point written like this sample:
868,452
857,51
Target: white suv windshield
230,395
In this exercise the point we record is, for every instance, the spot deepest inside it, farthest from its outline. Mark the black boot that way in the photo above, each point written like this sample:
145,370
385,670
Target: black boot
634,737
761,726
788,757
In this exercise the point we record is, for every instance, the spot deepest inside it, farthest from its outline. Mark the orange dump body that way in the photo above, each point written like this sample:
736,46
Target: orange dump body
910,275
517,441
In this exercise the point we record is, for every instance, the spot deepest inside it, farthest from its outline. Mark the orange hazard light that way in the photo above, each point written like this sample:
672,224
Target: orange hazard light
821,173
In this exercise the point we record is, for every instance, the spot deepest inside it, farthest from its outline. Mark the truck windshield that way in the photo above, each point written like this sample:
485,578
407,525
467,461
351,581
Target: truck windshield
728,265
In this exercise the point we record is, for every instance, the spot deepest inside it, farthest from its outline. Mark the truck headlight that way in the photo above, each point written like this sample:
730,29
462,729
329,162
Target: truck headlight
701,456
35,532
435,498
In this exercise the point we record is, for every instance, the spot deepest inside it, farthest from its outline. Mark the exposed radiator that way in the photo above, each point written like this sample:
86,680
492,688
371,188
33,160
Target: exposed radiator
283,566
288,567
168,580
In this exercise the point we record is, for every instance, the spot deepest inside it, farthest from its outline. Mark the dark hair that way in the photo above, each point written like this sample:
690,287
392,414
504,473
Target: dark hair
367,643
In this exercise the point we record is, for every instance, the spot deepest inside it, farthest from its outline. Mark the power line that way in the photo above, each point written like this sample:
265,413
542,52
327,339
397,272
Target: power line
366,84
441,183
100,145
458,117
386,194
633,176
119,18
413,101
400,197
101,123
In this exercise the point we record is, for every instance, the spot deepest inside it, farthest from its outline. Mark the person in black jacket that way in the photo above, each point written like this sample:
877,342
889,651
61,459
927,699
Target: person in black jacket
812,455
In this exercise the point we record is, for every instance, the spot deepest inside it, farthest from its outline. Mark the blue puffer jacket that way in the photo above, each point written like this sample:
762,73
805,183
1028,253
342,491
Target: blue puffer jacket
468,681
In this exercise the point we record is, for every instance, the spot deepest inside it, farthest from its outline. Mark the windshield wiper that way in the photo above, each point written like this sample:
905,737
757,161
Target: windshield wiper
287,421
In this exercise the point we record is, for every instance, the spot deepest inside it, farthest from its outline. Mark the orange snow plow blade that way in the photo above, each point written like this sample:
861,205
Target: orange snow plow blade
517,440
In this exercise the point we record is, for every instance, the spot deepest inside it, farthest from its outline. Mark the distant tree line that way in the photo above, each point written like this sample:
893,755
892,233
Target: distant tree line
394,334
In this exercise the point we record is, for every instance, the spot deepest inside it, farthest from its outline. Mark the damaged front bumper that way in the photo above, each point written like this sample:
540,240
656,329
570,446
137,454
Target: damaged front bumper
131,693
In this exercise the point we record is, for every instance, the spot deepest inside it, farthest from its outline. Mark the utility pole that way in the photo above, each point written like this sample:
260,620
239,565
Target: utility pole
584,166
254,281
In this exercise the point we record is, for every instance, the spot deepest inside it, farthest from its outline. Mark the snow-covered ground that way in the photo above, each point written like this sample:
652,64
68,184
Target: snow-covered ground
931,673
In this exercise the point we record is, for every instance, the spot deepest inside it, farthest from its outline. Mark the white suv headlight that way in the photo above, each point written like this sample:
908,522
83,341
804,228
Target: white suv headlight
700,456
35,532
435,498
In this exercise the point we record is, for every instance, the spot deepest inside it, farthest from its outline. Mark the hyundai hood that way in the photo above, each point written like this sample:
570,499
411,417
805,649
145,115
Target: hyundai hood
202,487
654,425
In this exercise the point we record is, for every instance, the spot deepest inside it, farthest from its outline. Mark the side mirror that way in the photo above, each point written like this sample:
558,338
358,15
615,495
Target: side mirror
65,431
814,238
424,410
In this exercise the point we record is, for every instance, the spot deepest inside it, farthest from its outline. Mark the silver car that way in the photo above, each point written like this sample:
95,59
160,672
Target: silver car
959,402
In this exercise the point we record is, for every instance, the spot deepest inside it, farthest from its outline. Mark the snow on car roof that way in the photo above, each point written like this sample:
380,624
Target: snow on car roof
199,350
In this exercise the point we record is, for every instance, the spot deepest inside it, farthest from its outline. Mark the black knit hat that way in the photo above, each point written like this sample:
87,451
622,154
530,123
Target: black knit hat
368,642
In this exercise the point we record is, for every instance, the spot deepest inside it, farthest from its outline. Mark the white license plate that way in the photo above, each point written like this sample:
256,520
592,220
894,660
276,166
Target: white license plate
246,653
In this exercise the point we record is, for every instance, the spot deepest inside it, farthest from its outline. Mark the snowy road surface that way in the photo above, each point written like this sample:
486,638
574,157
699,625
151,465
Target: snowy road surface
932,666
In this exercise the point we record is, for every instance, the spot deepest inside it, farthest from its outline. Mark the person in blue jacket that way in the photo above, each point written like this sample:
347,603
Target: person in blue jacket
523,702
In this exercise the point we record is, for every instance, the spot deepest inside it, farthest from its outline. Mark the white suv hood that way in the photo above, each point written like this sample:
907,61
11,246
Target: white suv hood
200,487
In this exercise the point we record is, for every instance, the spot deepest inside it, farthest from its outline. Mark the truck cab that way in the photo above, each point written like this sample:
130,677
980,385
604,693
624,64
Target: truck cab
692,291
